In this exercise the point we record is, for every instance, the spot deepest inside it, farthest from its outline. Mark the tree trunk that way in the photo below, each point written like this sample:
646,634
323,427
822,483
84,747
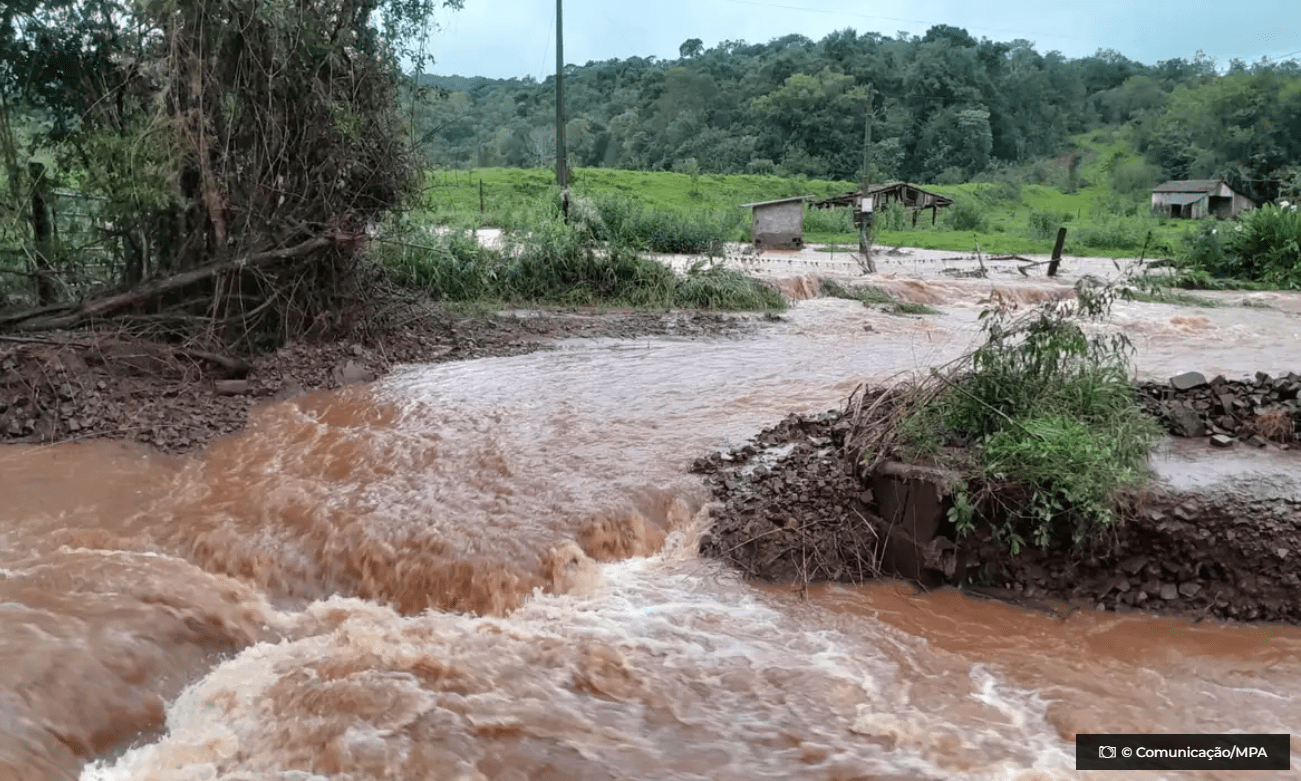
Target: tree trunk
43,229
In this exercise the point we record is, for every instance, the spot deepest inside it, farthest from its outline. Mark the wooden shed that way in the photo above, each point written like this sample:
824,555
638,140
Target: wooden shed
910,196
777,224
1197,198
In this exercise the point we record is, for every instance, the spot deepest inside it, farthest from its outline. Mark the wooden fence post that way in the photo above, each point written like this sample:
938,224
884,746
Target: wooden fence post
1057,252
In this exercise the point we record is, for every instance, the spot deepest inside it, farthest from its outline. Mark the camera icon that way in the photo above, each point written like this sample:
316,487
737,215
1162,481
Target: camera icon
1106,752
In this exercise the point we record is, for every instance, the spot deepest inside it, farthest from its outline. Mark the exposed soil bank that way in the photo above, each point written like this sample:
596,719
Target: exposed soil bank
793,511
82,385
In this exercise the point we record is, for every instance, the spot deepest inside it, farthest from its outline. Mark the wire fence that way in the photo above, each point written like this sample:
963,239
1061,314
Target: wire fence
83,252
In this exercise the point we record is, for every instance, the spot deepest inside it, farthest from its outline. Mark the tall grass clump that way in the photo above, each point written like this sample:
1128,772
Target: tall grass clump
708,285
626,222
451,262
891,217
558,262
1046,413
1117,234
566,262
1264,246
966,215
1044,224
829,221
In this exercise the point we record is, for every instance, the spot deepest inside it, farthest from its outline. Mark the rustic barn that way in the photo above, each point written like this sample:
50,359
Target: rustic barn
777,224
910,196
1199,198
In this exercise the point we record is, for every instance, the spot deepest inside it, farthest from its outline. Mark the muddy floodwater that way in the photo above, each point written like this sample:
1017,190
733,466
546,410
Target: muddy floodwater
488,570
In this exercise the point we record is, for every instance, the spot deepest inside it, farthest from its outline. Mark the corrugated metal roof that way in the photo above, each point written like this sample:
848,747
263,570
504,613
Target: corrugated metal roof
779,200
877,189
1189,186
1183,199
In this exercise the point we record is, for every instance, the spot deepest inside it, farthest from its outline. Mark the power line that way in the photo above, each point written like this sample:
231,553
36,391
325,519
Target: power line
1282,56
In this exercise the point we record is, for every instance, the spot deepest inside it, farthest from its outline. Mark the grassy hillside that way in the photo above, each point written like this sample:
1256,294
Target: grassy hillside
511,194
1006,215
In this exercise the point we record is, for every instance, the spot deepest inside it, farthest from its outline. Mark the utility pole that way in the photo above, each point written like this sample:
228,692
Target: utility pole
865,210
562,169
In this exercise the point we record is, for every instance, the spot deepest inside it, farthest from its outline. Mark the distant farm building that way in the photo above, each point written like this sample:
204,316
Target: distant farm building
777,224
909,196
1199,198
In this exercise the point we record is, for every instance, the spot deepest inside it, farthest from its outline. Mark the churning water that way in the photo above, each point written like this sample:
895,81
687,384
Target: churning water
487,570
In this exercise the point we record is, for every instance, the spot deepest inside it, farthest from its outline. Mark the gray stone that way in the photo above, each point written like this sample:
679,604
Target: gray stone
291,390
1134,564
1222,440
1189,589
352,373
1188,381
230,387
1169,591
1185,422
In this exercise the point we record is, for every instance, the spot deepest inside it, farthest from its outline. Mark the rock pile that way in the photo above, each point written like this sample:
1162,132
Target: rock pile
1257,412
791,512
1184,554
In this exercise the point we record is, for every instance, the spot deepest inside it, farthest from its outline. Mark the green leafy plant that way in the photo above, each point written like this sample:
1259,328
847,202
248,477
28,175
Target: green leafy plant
1044,224
828,221
1267,245
1045,405
965,215
555,261
1264,246
624,221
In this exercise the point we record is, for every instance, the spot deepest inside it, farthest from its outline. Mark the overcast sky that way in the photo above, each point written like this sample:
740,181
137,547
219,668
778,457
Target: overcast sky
516,38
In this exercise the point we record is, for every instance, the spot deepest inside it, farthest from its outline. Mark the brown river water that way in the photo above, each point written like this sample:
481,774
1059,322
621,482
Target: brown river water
487,570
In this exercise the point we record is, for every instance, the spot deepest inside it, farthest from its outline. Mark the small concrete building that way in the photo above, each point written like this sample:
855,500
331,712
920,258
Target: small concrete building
777,224
1197,198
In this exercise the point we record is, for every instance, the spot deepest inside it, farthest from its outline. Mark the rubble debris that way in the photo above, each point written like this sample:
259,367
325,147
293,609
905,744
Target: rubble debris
792,511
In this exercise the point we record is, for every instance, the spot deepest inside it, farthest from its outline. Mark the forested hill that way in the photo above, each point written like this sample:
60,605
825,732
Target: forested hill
947,107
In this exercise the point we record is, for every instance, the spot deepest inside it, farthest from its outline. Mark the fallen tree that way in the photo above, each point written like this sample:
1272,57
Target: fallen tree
234,153
73,315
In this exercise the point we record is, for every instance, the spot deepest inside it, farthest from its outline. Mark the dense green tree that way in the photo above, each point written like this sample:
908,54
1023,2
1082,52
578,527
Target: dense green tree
818,118
1241,126
211,132
945,102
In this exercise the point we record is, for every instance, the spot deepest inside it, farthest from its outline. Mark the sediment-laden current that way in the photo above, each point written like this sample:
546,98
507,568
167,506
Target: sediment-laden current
487,570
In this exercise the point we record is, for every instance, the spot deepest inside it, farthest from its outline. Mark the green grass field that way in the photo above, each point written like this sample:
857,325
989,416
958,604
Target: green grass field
509,195
996,217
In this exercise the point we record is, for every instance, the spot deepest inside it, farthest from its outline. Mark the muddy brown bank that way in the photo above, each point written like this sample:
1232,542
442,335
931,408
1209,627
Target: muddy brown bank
75,386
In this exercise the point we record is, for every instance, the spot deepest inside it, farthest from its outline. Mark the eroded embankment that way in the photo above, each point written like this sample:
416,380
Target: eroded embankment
72,386
793,511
